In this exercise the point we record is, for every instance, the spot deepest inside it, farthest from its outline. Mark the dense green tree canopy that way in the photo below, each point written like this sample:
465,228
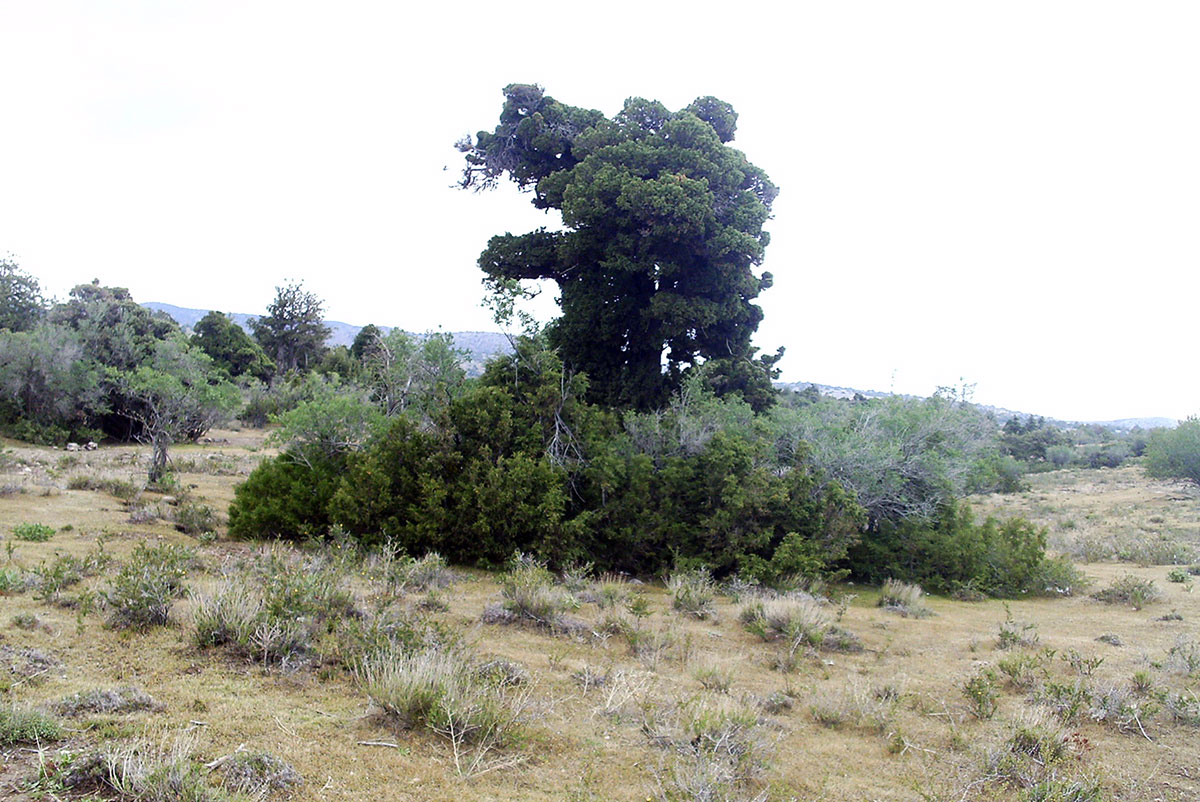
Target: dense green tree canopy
1175,453
21,302
292,332
662,232
231,348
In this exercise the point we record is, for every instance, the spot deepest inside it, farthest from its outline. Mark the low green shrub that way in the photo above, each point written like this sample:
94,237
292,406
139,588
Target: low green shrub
23,725
142,593
1131,590
693,593
35,533
982,694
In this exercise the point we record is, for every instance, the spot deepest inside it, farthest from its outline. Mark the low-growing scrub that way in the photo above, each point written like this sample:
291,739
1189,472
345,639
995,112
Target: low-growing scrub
255,774
34,533
444,692
903,598
693,593
856,706
23,725
1131,590
143,591
126,699
532,596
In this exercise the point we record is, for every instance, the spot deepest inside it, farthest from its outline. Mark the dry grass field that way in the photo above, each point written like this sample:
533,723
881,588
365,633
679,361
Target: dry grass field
603,692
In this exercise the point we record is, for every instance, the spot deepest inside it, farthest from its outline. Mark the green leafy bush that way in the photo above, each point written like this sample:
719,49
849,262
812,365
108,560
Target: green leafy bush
36,533
143,591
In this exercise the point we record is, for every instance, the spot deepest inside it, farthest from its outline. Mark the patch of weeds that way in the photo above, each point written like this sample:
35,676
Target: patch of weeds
143,514
23,725
532,596
1083,666
1183,657
714,677
1174,615
609,592
195,519
34,533
427,573
1043,763
27,621
693,593
141,594
982,694
1131,590
575,577
277,617
1066,700
67,571
27,664
1013,633
1178,575
1141,682
903,598
1117,706
13,580
793,618
1111,639
1184,708
857,706
140,771
716,748
256,774
1023,670
434,602
442,691
126,699
125,491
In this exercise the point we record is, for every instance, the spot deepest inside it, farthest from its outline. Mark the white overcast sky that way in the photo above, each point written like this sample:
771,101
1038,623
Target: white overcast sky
1006,193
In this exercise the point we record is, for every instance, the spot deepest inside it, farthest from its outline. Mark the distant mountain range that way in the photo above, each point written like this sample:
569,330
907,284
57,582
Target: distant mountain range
483,345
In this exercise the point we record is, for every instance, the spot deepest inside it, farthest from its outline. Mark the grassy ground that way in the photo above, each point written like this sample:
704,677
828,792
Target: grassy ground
702,699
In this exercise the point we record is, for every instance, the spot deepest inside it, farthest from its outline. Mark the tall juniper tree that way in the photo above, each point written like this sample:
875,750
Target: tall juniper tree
663,229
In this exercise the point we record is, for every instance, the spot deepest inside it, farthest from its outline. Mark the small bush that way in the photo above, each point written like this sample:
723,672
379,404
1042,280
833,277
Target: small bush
903,598
793,619
531,595
35,533
1023,670
127,699
123,490
141,594
256,774
858,707
1131,590
21,725
693,592
1013,633
442,691
427,573
982,694
195,519
1177,575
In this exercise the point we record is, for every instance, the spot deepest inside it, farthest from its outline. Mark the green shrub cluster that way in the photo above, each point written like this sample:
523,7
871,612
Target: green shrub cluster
955,554
520,463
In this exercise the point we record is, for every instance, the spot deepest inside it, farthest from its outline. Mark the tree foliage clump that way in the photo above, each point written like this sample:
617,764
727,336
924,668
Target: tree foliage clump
21,303
663,227
292,332
1175,453
231,348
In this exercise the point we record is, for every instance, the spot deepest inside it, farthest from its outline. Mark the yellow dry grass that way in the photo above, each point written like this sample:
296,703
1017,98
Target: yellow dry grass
586,738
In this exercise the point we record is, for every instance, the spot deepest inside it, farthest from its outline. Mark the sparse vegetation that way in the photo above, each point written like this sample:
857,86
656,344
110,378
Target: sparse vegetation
1131,590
